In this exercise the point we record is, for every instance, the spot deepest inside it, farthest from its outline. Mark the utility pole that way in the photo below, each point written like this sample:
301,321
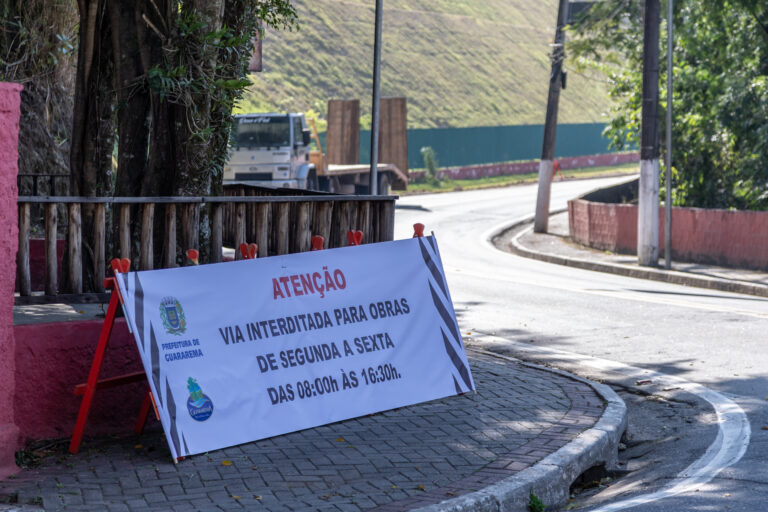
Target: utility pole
668,162
373,176
648,200
546,164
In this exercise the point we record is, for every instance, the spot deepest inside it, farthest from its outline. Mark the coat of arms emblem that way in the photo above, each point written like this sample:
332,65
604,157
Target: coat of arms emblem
173,316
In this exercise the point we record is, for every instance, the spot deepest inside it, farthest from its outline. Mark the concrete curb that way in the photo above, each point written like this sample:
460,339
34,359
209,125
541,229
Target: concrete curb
667,276
550,478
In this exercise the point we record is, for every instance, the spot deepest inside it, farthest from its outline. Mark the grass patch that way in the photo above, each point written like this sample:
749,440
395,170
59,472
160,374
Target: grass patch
459,63
448,185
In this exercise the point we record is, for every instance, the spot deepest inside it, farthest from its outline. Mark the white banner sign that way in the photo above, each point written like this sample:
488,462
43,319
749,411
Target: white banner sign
246,350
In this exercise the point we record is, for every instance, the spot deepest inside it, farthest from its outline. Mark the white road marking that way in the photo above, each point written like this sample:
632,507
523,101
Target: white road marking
728,448
734,430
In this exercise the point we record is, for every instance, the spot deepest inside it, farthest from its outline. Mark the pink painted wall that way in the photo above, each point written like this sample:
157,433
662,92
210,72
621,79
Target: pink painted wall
507,169
52,358
10,101
720,237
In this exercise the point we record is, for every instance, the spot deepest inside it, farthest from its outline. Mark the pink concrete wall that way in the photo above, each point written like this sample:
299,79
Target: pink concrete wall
10,101
507,169
52,358
720,237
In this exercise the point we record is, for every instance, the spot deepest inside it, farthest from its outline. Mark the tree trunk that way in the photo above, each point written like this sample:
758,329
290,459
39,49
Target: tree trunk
93,127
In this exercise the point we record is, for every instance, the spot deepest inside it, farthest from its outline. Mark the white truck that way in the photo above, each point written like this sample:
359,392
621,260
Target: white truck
273,150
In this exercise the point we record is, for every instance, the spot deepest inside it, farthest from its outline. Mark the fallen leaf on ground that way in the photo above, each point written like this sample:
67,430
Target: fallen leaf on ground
226,463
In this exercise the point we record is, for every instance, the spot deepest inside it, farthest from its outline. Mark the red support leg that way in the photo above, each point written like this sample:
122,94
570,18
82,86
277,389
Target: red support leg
93,376
143,413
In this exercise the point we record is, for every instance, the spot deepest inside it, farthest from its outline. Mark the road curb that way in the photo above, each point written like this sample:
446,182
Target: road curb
550,478
667,276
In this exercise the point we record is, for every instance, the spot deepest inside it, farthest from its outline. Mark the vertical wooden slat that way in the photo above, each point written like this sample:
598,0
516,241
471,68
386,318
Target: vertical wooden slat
351,220
239,229
125,231
170,236
303,235
283,228
75,252
51,256
99,246
22,256
216,230
190,226
364,220
262,228
387,221
147,225
321,220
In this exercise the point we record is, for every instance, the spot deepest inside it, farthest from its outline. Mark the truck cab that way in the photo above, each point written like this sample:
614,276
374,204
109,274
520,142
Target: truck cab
271,150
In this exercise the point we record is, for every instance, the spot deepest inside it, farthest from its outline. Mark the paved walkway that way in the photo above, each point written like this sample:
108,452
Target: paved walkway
396,460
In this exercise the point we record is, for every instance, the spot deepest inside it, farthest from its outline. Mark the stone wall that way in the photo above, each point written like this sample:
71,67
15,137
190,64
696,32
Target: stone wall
9,157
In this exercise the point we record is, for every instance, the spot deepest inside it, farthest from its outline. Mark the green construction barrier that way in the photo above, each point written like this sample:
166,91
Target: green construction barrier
455,147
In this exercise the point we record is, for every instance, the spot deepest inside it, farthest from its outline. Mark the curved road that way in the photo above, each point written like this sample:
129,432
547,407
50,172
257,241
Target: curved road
712,338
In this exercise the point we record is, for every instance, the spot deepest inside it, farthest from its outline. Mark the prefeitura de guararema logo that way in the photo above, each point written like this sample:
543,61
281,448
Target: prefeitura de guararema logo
199,405
172,316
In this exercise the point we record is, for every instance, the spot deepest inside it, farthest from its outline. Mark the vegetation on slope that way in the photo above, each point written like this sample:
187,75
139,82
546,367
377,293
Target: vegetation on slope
459,62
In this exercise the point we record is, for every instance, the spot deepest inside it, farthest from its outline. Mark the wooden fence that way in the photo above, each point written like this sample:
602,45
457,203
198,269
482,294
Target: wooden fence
278,224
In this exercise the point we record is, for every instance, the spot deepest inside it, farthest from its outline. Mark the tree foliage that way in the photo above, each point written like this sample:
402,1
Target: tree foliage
720,98
157,81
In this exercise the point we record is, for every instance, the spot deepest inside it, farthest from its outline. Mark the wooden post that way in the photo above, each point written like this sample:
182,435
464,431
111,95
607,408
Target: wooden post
99,246
170,236
74,240
125,231
189,226
22,256
283,228
321,220
147,225
386,221
262,228
303,233
51,253
239,229
216,232
364,220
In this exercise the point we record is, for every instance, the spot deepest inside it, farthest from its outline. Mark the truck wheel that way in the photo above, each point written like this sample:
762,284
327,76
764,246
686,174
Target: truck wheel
384,184
312,183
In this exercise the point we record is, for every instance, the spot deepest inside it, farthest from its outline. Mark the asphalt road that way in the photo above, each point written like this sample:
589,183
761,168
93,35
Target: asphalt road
710,338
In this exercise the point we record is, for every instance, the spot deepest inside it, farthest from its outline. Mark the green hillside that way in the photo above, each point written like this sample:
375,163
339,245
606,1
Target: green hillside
459,62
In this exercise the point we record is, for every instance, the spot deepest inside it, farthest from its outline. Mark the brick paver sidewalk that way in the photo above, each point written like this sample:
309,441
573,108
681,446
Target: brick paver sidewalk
396,460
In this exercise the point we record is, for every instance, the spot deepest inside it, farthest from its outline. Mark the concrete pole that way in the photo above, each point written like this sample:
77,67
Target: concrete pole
10,102
373,175
546,164
668,164
648,200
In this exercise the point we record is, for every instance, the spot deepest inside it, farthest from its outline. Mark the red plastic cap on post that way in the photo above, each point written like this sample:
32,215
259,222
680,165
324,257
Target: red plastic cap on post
355,237
317,243
418,230
120,265
193,256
